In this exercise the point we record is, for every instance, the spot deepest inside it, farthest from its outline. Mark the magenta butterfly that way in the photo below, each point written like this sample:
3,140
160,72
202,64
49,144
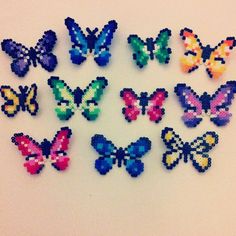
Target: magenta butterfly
215,106
143,104
36,154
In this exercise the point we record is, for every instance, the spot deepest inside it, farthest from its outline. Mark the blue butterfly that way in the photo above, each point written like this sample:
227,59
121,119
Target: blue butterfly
110,155
92,43
23,57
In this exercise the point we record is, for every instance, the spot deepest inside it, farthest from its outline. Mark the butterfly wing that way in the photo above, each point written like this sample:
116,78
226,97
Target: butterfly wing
31,103
201,146
193,55
30,149
162,53
12,104
20,54
137,150
131,111
60,143
216,63
191,103
87,100
43,50
101,47
174,145
106,150
220,102
155,110
140,54
79,50
64,97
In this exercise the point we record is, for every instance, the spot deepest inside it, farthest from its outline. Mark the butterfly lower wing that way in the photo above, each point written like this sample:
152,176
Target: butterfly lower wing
155,110
163,52
216,64
64,97
131,111
193,55
31,103
30,149
78,53
191,103
140,54
101,47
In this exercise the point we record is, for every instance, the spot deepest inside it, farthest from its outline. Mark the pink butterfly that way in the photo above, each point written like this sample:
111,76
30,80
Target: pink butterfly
144,104
36,154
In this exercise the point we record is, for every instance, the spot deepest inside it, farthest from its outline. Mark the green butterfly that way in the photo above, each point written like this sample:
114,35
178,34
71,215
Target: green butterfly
84,100
143,51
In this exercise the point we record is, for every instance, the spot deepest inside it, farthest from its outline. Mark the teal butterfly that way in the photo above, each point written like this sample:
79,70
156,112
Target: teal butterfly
152,48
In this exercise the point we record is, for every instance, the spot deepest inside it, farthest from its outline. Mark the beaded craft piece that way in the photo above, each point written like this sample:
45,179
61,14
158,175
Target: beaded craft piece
23,57
92,43
37,154
151,48
143,104
215,106
84,100
25,100
111,155
196,151
197,54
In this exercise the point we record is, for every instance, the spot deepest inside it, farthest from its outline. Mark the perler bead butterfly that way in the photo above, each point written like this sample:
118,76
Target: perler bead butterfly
84,100
93,43
197,54
216,106
196,151
111,155
23,57
25,100
143,104
36,154
152,48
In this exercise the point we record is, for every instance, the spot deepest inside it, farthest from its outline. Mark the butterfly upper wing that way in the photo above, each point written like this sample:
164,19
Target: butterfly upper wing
64,97
78,53
31,103
131,111
220,102
191,103
43,50
201,146
193,55
140,54
155,110
101,47
20,54
30,149
106,150
216,63
90,96
163,52
12,104
60,143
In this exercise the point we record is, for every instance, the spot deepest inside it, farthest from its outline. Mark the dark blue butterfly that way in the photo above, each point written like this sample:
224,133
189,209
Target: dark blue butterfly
92,43
23,57
110,155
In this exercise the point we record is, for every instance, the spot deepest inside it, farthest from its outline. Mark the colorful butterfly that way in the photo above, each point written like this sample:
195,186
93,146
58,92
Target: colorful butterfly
84,100
196,151
98,45
143,104
23,57
216,106
152,48
36,154
25,100
129,156
197,54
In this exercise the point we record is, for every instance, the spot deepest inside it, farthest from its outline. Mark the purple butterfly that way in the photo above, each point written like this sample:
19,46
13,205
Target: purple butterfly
216,106
24,57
